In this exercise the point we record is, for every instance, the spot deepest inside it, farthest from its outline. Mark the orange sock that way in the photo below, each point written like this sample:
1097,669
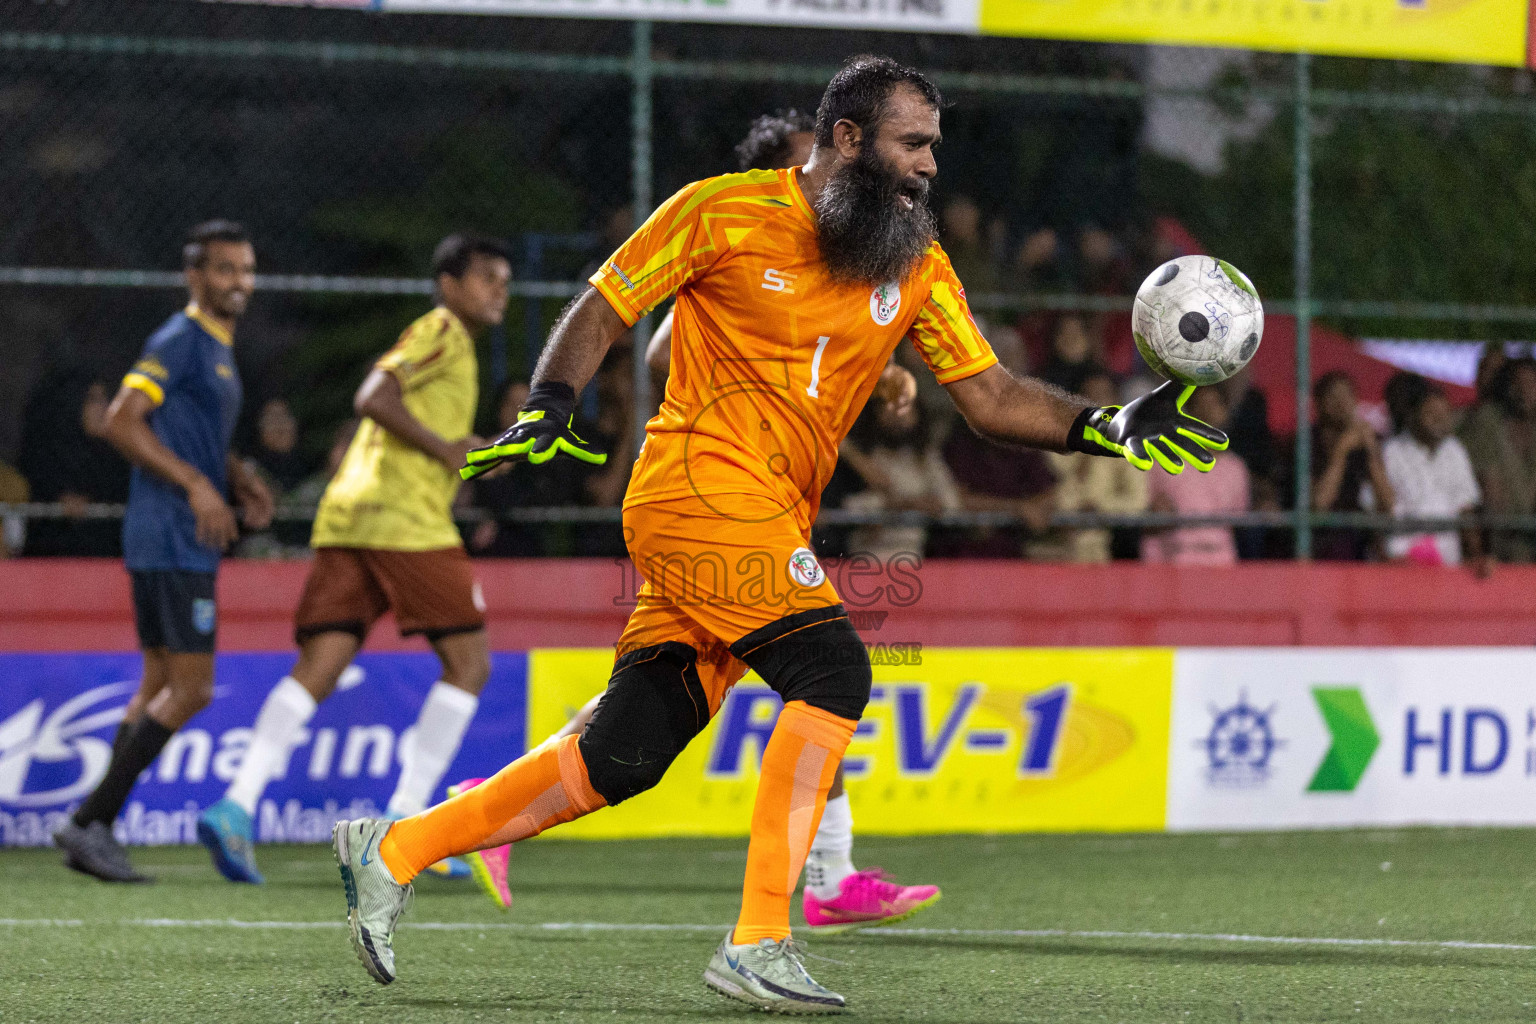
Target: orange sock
545,787
798,766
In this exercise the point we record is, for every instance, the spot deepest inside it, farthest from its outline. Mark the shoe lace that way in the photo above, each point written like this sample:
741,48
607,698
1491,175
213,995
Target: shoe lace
798,952
404,905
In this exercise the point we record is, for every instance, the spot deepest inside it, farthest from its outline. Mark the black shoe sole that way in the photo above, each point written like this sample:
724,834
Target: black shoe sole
75,864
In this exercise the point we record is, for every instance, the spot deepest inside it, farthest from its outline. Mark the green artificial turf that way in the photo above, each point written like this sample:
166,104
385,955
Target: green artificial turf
170,952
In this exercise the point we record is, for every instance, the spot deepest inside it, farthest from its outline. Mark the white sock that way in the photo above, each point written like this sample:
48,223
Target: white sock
445,714
831,857
285,712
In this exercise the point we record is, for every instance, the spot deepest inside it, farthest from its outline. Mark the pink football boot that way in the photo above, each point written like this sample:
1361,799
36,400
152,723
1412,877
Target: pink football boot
866,900
489,867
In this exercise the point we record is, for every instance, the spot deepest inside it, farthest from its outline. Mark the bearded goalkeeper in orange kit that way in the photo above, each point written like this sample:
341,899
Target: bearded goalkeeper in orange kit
793,288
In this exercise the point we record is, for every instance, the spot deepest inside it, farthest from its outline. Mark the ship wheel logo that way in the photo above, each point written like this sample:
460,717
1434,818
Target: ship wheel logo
1240,744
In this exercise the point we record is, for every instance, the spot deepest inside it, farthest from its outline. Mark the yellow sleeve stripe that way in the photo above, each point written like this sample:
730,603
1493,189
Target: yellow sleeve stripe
942,348
749,182
663,256
969,368
960,330
605,286
775,201
947,300
139,382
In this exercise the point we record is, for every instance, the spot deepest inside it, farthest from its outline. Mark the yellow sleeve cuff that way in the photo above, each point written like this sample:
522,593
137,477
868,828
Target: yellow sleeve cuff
139,382
969,368
627,310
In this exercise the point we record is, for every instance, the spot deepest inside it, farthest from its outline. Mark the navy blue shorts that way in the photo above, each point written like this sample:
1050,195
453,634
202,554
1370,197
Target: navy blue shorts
175,609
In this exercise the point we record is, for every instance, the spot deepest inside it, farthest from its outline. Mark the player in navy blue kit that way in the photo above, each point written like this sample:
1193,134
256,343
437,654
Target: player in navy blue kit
173,418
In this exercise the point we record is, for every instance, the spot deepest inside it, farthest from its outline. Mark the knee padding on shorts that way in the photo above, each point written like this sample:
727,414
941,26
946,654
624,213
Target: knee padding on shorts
654,705
815,656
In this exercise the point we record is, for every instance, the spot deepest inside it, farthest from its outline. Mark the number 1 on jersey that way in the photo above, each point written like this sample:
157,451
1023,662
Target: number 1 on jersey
821,346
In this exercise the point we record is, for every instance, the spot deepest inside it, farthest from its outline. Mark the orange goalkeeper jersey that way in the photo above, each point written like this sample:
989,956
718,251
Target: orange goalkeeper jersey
771,360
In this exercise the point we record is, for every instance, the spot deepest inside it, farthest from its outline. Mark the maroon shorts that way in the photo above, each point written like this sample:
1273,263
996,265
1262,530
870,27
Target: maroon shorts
431,592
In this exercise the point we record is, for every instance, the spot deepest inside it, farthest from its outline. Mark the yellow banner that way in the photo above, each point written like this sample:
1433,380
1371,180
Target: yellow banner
1469,31
967,740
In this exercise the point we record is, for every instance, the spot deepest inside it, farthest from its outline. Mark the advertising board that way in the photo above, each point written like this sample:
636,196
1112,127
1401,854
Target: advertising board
1272,739
953,740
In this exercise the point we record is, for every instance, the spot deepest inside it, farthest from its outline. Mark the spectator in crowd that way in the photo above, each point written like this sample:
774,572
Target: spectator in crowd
67,459
613,230
1103,268
293,519
1007,344
305,495
938,407
1269,475
557,482
1073,354
1489,363
1248,422
277,455
1500,438
618,223
997,239
1225,489
1108,486
994,478
967,250
829,540
1038,266
612,432
903,471
1402,394
14,490
934,398
1431,475
1347,468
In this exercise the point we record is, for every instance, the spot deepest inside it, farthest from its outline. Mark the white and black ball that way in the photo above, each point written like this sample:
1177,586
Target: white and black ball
1197,320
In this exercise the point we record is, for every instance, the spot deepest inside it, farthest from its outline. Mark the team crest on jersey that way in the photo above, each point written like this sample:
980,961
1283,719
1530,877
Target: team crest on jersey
804,569
204,615
884,301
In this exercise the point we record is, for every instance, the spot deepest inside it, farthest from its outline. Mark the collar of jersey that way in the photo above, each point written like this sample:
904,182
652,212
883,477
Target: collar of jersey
454,322
210,325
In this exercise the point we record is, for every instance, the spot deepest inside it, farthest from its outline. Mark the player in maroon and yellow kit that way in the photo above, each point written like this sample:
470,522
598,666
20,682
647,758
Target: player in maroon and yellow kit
793,288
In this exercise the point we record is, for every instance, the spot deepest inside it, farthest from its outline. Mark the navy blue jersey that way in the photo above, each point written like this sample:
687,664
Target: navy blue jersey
188,371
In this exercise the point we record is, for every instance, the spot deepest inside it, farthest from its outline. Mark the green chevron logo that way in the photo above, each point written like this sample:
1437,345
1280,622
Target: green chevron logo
1354,739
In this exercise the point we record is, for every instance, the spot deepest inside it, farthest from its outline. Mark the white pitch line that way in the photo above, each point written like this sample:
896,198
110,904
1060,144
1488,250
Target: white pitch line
1283,940
602,926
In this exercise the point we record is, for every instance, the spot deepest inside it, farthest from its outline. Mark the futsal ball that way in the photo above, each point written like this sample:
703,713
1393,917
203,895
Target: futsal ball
1197,320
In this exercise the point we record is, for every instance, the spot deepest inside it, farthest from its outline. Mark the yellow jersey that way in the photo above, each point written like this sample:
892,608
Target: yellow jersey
387,494
772,360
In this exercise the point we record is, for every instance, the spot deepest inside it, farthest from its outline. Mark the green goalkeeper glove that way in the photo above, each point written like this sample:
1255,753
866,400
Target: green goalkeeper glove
542,431
1153,428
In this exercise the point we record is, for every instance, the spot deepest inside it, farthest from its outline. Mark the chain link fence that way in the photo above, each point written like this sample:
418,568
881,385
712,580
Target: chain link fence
1390,201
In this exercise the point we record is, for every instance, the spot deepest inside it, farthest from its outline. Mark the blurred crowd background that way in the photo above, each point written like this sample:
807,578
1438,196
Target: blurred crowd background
1068,172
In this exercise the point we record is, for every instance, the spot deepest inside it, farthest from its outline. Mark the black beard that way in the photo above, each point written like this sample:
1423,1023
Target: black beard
866,236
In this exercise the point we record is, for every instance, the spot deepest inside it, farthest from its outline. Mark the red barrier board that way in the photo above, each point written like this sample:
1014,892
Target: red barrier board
83,605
